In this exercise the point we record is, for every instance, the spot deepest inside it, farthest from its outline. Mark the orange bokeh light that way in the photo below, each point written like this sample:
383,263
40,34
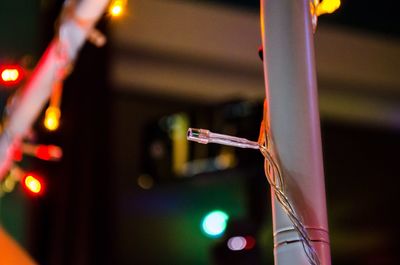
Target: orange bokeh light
117,8
52,118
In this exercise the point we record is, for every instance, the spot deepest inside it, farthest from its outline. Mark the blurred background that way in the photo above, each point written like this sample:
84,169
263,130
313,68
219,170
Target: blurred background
131,190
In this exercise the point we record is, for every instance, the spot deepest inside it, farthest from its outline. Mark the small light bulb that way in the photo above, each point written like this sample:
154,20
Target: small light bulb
116,8
33,184
10,75
48,152
327,6
52,118
214,223
236,243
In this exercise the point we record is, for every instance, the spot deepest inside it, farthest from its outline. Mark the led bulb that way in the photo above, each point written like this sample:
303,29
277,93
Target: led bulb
116,8
52,118
48,152
10,75
214,223
33,184
327,6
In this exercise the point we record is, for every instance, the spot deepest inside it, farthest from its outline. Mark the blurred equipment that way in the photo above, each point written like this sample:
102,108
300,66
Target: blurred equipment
52,68
11,252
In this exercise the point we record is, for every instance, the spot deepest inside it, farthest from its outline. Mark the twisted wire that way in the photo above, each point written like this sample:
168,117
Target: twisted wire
276,180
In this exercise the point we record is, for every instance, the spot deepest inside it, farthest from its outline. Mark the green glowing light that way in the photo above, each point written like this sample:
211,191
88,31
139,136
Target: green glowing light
214,223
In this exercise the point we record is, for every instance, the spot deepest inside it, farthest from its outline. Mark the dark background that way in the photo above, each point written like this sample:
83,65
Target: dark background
96,213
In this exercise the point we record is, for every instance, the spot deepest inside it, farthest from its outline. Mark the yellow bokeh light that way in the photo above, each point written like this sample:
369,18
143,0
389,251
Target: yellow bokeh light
116,8
116,11
145,182
52,119
33,184
9,75
327,6
8,184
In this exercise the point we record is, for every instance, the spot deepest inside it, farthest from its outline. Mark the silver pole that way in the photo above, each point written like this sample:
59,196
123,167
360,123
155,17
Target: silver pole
291,90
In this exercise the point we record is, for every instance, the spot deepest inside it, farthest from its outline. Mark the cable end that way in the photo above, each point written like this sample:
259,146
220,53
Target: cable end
198,135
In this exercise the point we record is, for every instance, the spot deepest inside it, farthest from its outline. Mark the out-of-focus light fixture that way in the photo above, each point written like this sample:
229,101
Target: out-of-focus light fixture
10,75
146,182
33,184
52,118
117,8
238,243
48,152
214,223
327,6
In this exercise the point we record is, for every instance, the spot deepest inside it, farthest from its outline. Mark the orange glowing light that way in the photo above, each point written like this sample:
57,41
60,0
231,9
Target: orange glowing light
116,11
52,118
33,184
116,8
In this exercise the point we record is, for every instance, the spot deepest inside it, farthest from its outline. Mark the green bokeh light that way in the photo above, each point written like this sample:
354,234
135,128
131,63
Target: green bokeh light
214,223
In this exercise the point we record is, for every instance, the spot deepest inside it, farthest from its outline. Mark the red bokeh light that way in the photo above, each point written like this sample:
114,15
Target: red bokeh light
11,75
250,242
48,152
33,184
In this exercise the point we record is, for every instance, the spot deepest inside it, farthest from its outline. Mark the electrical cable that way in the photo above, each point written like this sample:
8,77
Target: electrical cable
276,180
204,136
272,171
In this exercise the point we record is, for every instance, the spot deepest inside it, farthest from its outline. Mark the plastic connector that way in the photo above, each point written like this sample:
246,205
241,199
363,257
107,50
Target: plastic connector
204,136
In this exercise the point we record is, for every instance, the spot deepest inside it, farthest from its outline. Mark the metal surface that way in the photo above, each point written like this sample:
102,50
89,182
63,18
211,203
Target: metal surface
291,91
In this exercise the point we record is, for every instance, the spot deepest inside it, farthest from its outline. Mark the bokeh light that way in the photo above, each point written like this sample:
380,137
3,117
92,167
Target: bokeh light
236,243
214,223
117,8
33,184
10,75
52,119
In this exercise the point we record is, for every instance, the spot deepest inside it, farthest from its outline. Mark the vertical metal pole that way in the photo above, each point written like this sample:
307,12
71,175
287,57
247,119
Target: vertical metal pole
291,90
